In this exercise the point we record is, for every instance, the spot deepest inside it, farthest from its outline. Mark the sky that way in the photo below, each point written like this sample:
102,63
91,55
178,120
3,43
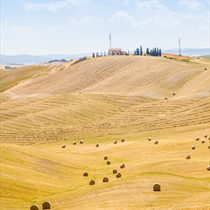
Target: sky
41,27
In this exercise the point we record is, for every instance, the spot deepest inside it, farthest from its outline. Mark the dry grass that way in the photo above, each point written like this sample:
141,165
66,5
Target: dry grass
122,97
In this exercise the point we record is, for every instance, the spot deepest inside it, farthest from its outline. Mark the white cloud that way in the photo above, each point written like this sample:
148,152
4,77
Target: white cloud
122,16
56,27
53,6
81,22
20,29
125,2
191,4
100,20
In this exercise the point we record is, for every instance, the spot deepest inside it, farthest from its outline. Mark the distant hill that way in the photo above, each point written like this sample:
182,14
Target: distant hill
35,59
189,51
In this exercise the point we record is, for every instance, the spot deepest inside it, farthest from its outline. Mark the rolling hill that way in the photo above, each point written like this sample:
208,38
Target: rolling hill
101,100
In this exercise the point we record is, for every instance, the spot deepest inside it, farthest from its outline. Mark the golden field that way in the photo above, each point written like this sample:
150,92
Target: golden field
99,101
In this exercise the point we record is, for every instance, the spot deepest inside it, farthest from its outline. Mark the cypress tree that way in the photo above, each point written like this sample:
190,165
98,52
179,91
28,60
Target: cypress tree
93,54
141,50
137,51
104,53
97,54
160,53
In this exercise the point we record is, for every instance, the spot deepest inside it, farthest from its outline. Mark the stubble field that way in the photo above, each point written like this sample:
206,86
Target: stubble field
99,101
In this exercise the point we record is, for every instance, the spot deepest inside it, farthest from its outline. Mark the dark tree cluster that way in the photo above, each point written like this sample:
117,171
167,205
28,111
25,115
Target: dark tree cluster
154,52
138,51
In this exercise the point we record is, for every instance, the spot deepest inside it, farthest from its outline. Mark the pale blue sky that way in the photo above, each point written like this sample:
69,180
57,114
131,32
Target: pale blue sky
40,27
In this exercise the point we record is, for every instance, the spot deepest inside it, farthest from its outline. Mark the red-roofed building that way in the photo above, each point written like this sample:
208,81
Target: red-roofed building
116,51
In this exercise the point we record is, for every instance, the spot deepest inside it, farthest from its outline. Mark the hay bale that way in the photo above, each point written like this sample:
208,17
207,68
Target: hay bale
79,92
203,141
174,94
166,98
187,157
34,207
105,179
63,146
193,147
205,68
74,143
114,171
149,139
209,146
122,140
81,142
197,139
115,142
209,138
205,136
85,173
208,168
46,205
97,145
105,158
156,142
156,187
92,182
118,175
108,162
122,165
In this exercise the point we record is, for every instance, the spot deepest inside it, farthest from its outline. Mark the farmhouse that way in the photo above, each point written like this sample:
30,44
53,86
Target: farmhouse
116,51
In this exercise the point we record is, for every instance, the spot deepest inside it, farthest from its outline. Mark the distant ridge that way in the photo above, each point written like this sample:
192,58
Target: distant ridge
189,51
35,59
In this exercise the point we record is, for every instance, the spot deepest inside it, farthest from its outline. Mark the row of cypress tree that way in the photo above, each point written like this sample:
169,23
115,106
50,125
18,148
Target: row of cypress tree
138,51
152,52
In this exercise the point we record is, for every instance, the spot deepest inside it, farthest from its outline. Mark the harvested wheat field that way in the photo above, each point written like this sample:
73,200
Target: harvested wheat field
122,97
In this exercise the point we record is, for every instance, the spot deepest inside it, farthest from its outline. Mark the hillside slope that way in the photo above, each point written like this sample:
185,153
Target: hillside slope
123,75
99,101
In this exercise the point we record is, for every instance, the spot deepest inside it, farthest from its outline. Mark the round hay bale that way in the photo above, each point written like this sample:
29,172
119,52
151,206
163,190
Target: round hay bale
74,143
166,98
63,146
205,68
92,182
193,147
97,145
122,165
105,158
85,173
203,141
149,139
46,205
34,207
108,162
174,94
118,175
81,142
209,138
114,171
205,136
105,179
187,157
208,168
209,146
156,187
115,142
156,142
122,140
79,92
197,139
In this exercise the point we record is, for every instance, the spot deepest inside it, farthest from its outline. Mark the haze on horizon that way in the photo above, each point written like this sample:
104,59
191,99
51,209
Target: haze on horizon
79,26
